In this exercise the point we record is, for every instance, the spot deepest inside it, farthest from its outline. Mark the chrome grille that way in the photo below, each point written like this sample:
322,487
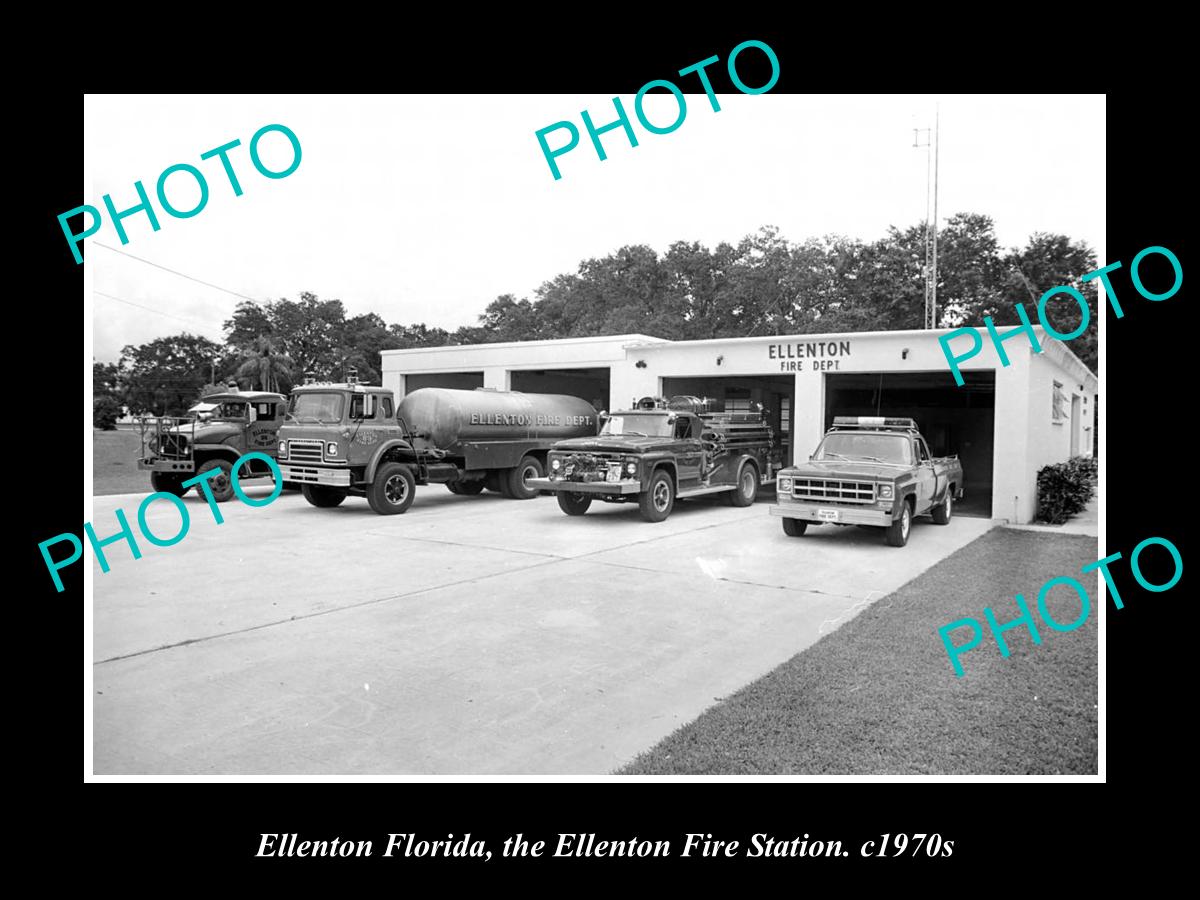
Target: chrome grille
304,450
832,491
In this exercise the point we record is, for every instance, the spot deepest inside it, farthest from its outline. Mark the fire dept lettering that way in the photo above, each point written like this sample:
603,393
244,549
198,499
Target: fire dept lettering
527,419
820,353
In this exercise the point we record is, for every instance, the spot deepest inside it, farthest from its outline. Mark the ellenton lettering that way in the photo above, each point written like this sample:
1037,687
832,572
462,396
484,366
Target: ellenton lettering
526,419
800,350
282,845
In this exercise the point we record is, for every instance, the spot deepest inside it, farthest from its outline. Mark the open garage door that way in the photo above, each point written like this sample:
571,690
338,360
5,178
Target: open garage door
953,419
775,393
463,381
586,384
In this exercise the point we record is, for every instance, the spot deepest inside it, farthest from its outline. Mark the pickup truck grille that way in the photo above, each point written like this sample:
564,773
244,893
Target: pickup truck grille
829,490
304,450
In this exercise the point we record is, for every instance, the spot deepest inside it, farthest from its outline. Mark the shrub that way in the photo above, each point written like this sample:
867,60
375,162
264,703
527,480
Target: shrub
105,411
1064,489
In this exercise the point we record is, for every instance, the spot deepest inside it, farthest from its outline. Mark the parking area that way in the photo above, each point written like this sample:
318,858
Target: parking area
470,635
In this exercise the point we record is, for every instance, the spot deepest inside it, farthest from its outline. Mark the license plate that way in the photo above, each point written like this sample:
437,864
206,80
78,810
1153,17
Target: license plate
614,473
828,515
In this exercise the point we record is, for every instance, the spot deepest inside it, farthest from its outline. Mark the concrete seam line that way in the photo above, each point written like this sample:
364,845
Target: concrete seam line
313,615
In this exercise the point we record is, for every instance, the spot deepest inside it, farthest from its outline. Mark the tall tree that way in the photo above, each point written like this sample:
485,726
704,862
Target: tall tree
266,365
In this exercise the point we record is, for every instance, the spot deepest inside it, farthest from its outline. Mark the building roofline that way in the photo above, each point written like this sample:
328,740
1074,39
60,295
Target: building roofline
640,339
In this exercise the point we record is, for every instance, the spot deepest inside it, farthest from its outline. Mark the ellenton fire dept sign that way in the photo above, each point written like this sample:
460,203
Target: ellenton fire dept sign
819,355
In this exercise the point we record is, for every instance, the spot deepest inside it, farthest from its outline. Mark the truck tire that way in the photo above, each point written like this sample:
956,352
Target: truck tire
794,527
944,510
746,491
574,503
453,487
393,489
528,468
324,496
220,485
493,481
657,501
897,532
169,483
470,488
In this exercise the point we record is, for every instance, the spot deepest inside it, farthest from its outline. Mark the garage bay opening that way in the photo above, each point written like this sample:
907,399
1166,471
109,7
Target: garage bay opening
586,384
952,419
775,393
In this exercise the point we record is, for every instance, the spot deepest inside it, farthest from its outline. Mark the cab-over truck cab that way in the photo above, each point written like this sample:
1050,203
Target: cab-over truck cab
335,437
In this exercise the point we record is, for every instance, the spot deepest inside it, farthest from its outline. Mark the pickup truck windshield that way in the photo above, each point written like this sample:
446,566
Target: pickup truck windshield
890,448
633,423
316,407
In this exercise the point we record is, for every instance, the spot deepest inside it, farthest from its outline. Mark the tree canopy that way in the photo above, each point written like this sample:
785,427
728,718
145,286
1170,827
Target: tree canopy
764,284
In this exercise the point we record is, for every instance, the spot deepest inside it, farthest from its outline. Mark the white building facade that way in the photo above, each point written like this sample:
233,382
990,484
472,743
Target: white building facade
1004,422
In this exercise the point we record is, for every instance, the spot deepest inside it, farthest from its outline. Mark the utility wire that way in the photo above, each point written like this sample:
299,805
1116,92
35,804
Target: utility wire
153,310
173,272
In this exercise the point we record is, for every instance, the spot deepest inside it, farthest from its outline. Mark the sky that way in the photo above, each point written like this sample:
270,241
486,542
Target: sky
426,208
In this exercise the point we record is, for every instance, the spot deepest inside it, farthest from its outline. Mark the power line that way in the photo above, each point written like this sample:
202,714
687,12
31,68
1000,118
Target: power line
173,272
153,310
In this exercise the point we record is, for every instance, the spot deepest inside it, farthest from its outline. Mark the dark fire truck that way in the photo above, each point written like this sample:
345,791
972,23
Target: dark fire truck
219,430
661,451
344,440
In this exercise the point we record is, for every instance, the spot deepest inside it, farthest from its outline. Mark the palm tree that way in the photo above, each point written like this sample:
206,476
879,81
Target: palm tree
265,361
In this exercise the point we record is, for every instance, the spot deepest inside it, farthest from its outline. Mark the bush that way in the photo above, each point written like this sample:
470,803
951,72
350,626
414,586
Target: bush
105,411
1064,489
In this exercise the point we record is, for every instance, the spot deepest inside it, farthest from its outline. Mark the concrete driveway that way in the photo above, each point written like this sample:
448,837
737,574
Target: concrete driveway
471,635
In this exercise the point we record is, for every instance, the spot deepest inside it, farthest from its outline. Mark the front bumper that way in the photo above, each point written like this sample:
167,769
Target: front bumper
315,475
160,464
586,487
846,515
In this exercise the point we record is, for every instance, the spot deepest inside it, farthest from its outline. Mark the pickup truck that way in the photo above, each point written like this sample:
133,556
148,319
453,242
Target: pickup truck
872,471
661,451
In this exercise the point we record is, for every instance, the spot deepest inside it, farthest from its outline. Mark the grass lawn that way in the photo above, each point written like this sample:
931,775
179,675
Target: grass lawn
114,463
879,696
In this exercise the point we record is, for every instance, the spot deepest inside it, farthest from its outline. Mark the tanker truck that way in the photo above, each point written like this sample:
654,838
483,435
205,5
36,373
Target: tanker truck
346,440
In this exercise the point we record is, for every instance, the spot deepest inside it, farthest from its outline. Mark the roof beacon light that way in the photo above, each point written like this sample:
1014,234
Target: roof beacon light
884,422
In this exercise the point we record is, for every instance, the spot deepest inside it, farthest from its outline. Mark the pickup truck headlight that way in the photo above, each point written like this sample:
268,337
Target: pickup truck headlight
283,449
631,467
555,464
885,492
331,448
784,485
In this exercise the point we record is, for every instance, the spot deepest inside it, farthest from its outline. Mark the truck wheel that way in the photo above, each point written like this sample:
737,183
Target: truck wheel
794,527
220,485
897,532
323,496
518,477
168,483
747,487
943,511
393,489
574,503
470,488
657,501
453,487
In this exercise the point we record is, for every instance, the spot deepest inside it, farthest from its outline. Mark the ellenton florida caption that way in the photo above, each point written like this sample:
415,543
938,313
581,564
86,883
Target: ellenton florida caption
579,845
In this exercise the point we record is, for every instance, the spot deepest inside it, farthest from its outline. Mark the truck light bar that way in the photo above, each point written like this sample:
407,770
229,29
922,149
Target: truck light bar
874,422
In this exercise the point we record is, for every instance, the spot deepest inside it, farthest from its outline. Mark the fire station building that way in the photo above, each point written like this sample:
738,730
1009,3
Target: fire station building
1004,422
